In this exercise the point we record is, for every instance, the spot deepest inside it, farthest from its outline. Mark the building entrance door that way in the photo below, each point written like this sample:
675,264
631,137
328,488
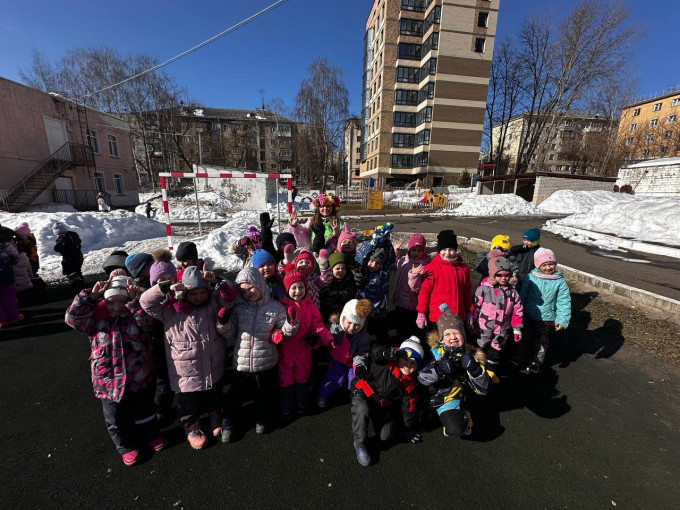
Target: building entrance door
56,133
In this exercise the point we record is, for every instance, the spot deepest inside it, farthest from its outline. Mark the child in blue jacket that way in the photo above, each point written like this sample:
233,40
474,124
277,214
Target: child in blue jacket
547,306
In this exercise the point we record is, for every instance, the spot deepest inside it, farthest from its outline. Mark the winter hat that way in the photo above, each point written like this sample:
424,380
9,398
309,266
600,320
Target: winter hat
533,235
544,255
344,235
306,254
379,255
115,261
356,311
136,262
447,239
416,240
449,320
22,229
497,264
292,277
118,287
413,349
336,258
192,278
59,228
253,233
501,241
186,251
262,257
161,266
285,237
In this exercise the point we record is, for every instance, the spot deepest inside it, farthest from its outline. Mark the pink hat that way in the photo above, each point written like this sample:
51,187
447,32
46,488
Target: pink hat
544,255
347,235
416,240
22,229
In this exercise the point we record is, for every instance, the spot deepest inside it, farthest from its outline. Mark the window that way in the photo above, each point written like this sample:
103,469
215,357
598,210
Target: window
99,182
653,122
411,27
663,149
483,19
273,165
657,107
215,126
424,115
409,97
675,101
403,140
415,5
432,18
272,129
480,42
671,119
225,127
423,138
667,134
408,74
113,146
633,126
409,51
272,154
427,92
569,123
402,160
649,138
629,141
645,152
93,141
404,119
636,112
430,67
263,167
263,155
431,43
118,184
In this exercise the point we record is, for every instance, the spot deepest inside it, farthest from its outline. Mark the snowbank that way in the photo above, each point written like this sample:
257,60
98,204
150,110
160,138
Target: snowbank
569,202
494,205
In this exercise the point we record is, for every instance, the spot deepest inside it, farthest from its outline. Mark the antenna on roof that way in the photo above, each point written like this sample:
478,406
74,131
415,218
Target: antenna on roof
261,91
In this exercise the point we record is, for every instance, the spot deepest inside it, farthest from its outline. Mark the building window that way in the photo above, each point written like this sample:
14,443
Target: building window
93,141
411,27
483,19
113,146
671,119
408,74
431,43
402,160
99,181
629,141
409,51
429,67
649,138
657,107
263,167
225,127
633,126
427,92
432,18
273,165
403,140
404,119
118,184
424,115
415,5
653,122
263,155
667,134
480,42
409,97
636,112
423,137
215,126
675,101
645,152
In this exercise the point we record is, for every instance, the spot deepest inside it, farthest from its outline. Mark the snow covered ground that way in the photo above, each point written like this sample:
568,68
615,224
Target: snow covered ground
493,205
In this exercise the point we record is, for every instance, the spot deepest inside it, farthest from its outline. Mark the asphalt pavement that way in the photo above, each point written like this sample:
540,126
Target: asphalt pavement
597,428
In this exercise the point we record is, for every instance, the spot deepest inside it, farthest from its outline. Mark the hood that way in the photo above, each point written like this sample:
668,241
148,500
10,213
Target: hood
251,275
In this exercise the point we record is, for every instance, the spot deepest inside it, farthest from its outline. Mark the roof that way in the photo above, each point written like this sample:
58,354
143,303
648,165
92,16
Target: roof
675,91
233,114
656,162
533,175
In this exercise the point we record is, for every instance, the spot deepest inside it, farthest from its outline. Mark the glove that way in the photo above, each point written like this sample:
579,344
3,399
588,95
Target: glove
288,253
265,221
319,229
413,436
470,365
421,321
276,336
227,292
382,232
292,314
165,286
361,371
518,336
322,260
392,353
223,315
312,340
445,365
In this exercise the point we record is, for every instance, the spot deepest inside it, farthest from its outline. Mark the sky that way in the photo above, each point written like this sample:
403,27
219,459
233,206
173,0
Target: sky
269,57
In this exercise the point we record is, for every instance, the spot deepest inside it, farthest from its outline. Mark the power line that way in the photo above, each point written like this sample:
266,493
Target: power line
191,50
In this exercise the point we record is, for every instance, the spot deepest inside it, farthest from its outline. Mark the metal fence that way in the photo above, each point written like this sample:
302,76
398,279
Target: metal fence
79,199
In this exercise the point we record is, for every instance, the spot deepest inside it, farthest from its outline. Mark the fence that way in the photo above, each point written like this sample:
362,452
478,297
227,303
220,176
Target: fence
79,199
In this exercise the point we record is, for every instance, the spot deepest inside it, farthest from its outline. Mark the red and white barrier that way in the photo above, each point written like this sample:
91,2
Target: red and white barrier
215,175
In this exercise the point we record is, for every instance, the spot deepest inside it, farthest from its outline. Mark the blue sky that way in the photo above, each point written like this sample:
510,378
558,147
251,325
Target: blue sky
270,54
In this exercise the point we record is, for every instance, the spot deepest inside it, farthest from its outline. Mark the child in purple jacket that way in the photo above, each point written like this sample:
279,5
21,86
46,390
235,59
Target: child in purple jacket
407,285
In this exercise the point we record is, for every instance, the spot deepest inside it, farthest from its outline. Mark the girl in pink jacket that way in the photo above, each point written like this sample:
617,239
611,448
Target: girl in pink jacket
303,331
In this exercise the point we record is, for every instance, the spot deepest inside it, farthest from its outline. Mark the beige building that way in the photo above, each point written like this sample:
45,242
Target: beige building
426,74
351,149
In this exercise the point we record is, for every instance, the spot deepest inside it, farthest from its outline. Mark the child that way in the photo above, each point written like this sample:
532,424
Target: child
376,258
264,262
497,313
451,372
121,361
256,324
69,246
116,261
447,281
347,244
23,277
351,342
27,244
408,282
247,245
340,290
385,392
500,246
282,240
304,263
522,256
195,352
302,332
9,311
321,230
187,256
139,267
547,306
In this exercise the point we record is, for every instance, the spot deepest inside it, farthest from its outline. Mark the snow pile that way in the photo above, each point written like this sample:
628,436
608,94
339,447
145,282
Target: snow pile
567,201
494,205
213,206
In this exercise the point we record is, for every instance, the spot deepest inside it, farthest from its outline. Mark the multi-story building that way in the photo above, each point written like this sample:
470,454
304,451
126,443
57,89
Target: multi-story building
426,74
650,127
573,143
352,149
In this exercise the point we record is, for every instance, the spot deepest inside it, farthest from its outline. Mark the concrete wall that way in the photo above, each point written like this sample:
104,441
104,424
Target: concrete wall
657,181
248,194
546,186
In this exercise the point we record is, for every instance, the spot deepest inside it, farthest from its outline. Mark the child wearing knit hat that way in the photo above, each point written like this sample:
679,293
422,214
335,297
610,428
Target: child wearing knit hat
547,307
264,262
69,246
522,256
340,290
118,328
26,243
452,371
500,246
408,280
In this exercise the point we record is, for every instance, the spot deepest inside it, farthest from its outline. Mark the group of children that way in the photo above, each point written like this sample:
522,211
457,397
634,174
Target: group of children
154,324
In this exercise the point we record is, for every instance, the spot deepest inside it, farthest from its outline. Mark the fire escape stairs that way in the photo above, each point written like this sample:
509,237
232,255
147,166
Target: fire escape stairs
42,177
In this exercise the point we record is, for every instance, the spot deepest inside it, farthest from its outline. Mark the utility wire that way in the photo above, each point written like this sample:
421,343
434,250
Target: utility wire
191,50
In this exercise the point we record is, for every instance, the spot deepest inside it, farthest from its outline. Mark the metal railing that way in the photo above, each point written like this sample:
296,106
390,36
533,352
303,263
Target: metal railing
78,198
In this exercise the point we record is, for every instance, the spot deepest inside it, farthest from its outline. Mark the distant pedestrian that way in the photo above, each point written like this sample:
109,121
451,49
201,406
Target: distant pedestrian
9,311
27,244
150,211
101,203
69,246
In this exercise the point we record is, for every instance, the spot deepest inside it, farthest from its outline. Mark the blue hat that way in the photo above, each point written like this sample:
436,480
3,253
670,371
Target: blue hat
413,349
262,257
135,262
533,235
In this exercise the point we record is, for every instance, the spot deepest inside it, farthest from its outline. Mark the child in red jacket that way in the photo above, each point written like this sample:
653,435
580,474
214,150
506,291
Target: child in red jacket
446,280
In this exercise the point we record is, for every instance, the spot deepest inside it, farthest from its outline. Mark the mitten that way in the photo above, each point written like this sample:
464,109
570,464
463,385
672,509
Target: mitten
421,321
445,365
276,336
223,315
265,221
312,339
288,253
292,314
165,286
518,335
361,371
227,292
392,353
413,436
470,365
322,260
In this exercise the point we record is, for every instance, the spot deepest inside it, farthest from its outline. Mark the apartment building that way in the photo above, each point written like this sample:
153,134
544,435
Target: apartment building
650,127
352,149
426,73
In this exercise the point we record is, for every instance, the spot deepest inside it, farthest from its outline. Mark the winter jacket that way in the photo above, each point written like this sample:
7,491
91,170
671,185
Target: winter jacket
121,357
307,321
334,296
195,352
275,286
29,246
407,285
448,282
522,259
376,287
23,274
303,233
8,257
252,323
497,313
546,299
386,384
349,347
69,245
313,282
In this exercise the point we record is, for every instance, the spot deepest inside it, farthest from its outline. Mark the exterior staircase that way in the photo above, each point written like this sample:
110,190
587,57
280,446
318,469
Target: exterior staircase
29,188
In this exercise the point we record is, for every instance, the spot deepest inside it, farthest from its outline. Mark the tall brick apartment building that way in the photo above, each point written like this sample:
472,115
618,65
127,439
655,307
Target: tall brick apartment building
426,74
